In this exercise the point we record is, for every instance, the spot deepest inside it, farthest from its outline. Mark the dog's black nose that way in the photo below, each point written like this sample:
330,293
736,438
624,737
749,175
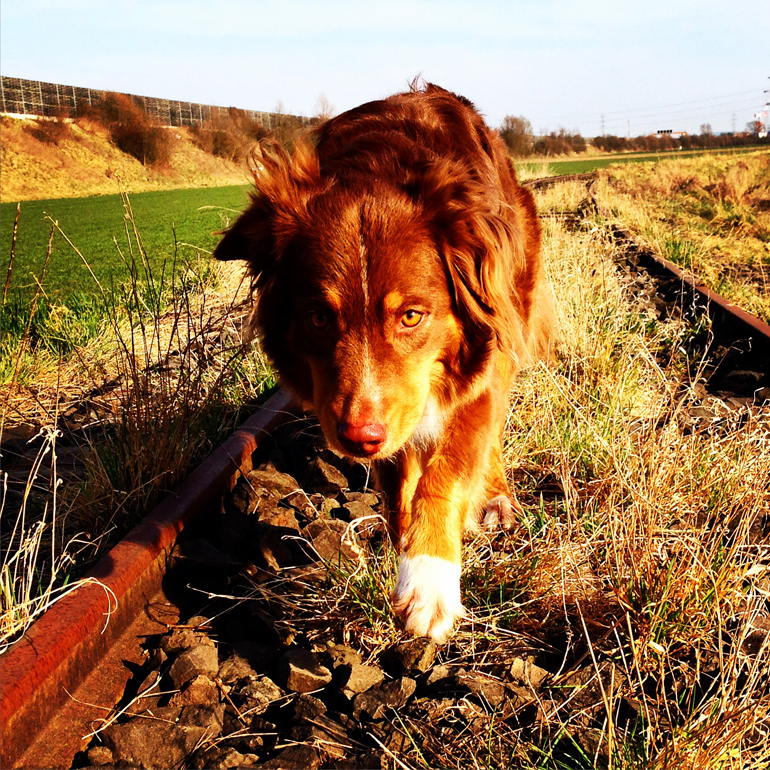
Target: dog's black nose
361,440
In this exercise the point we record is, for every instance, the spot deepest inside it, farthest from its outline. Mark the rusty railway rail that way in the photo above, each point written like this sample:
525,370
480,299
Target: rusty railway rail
548,181
74,657
743,334
746,337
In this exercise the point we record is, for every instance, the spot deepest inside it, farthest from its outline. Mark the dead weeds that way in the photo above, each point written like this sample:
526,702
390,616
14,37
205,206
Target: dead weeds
709,215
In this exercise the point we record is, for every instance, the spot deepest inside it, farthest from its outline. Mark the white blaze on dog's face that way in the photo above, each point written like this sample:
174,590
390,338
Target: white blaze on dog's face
372,320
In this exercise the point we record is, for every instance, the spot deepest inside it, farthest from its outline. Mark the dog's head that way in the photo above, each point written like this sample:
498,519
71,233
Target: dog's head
381,296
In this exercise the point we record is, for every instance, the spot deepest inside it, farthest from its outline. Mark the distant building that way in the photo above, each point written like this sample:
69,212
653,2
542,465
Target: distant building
761,119
670,132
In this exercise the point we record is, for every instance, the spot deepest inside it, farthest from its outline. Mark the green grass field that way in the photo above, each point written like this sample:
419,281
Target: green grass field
169,220
188,218
96,224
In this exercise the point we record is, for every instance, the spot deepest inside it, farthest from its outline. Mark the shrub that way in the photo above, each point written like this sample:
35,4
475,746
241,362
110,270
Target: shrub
230,137
131,129
49,132
561,143
517,135
286,128
653,143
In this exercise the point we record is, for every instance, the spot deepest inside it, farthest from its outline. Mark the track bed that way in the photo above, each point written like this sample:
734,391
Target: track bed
261,635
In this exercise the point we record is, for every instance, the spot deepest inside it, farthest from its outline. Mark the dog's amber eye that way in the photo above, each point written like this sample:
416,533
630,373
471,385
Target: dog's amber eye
411,318
319,320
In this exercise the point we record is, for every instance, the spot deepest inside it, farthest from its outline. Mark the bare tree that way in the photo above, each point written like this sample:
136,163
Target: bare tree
324,109
517,135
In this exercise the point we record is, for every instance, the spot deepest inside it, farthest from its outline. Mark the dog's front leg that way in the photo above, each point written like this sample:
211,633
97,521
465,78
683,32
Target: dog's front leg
427,592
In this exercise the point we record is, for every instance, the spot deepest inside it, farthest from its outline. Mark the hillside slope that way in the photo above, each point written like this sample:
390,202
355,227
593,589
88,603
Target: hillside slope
83,162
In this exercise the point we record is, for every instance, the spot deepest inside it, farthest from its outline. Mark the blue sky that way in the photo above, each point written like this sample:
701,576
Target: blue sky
643,66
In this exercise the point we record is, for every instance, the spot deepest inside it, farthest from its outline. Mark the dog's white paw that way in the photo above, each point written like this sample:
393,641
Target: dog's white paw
500,512
427,595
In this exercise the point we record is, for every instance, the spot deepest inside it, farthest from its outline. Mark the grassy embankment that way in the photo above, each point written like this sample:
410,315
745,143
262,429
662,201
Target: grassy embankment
709,214
41,160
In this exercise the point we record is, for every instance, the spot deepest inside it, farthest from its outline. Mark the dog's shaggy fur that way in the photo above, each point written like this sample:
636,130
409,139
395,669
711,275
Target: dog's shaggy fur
399,290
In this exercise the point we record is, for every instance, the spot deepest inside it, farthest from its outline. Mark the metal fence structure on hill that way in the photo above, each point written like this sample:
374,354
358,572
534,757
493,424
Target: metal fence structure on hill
36,98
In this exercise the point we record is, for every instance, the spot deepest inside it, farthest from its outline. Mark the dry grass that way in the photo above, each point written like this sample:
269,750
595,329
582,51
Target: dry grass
565,199
640,577
533,168
709,215
84,162
669,512
162,383
30,579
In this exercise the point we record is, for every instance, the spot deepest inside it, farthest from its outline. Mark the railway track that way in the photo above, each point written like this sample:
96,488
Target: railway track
744,337
78,655
75,661
549,181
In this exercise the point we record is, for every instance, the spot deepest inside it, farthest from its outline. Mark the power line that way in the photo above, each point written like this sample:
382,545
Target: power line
653,121
624,113
724,109
743,103
686,115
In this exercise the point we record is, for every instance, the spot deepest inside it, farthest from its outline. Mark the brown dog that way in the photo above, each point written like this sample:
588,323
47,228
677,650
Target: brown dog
400,289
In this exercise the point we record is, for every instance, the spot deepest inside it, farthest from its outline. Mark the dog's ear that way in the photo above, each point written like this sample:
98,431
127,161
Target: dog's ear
283,184
490,249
